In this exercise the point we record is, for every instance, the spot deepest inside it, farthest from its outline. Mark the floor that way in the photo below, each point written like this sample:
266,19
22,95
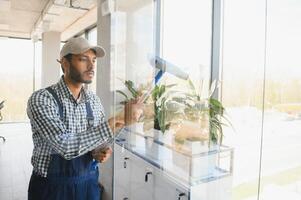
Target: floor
15,166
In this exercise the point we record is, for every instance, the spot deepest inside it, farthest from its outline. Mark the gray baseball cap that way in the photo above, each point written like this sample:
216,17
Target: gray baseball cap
80,45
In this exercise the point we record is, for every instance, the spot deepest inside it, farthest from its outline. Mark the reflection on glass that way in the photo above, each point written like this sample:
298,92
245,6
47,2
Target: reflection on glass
16,72
166,155
281,158
132,41
187,44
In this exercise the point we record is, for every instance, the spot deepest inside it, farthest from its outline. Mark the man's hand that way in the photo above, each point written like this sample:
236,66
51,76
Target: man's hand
102,155
116,123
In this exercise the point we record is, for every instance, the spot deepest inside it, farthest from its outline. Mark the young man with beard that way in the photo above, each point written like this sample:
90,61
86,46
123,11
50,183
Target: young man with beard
68,124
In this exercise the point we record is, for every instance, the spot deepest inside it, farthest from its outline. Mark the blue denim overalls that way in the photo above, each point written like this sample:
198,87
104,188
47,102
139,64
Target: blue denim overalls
75,179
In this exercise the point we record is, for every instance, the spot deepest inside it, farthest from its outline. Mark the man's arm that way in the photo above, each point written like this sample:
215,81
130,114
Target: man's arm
132,112
43,114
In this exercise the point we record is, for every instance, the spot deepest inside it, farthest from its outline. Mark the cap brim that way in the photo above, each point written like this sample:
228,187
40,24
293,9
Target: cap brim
100,52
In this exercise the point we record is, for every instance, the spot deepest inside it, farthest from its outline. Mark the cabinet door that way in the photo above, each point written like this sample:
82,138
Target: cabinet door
142,179
167,189
122,166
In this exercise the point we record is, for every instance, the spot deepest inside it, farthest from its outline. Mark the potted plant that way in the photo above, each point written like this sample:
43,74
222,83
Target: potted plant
204,113
155,106
200,131
154,122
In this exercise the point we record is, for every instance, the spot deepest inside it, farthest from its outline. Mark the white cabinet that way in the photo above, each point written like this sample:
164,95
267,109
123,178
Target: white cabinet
122,169
141,175
137,179
168,189
142,179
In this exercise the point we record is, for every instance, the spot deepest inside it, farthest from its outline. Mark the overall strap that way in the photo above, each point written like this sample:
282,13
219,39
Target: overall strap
90,117
53,93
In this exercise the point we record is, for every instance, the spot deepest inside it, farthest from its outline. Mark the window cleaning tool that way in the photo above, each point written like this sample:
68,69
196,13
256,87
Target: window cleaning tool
163,66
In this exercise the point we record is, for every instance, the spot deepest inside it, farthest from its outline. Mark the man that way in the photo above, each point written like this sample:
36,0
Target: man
68,124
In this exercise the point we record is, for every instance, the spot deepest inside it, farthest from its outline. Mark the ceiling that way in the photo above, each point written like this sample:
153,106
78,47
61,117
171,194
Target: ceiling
26,18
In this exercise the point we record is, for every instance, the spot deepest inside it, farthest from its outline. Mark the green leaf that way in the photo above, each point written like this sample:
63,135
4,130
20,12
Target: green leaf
123,94
130,86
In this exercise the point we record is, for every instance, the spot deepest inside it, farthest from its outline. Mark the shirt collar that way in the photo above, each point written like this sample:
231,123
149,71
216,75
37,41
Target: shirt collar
66,93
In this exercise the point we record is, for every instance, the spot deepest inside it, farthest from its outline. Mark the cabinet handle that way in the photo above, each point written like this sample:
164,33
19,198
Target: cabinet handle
181,195
146,175
124,162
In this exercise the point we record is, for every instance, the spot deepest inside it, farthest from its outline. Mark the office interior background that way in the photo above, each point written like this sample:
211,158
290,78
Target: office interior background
251,48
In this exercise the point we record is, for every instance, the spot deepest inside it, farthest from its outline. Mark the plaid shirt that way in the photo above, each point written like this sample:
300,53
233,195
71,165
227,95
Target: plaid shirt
71,137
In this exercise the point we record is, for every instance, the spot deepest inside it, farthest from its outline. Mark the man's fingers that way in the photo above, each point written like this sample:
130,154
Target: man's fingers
104,155
109,150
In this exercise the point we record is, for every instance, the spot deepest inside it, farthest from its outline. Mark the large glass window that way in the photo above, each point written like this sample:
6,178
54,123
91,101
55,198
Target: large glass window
242,90
16,72
260,83
261,95
168,147
281,157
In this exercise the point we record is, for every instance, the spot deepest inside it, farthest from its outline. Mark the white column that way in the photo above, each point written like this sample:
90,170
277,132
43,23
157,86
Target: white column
103,90
50,52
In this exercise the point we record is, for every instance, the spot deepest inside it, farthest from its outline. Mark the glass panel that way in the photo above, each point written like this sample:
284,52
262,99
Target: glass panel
132,40
242,90
187,43
281,158
16,72
166,154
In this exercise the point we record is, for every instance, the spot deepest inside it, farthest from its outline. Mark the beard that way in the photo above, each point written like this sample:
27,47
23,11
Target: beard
77,76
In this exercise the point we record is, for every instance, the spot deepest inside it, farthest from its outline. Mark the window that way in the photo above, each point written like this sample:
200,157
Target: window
281,163
242,90
262,98
16,72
